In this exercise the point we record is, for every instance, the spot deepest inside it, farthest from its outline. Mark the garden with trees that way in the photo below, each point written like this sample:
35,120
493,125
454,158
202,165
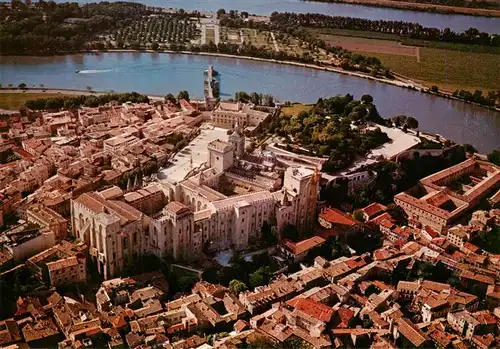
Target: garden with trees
335,128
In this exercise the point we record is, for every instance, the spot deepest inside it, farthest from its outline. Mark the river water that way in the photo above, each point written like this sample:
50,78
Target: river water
266,7
156,73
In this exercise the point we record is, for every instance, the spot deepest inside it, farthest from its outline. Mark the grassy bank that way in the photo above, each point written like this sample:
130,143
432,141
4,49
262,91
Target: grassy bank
13,101
449,70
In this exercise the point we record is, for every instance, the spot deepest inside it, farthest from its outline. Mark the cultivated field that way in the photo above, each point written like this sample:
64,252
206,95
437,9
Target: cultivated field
449,70
430,63
370,45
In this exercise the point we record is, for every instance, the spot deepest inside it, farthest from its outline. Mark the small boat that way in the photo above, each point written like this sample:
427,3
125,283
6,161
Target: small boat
77,71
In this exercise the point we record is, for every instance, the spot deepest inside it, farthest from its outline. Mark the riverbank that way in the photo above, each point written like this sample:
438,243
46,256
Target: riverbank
421,7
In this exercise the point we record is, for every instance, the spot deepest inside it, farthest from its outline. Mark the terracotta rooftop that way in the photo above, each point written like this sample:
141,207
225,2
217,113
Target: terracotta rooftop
411,332
9,332
96,203
39,329
343,317
384,216
62,263
477,277
312,308
374,209
337,217
177,207
297,248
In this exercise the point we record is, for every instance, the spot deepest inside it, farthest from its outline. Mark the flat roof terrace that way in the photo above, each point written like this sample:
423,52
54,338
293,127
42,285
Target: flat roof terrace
197,150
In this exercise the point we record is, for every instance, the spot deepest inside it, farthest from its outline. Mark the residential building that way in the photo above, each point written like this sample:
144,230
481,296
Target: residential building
443,197
47,218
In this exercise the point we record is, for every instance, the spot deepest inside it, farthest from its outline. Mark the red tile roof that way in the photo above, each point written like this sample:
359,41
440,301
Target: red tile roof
431,231
384,216
315,309
344,315
334,216
177,207
300,247
374,209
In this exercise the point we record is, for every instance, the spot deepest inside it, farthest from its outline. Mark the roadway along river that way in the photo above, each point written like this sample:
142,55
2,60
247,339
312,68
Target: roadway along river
266,7
155,73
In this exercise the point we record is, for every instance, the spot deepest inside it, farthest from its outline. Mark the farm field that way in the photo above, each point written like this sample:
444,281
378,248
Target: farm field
370,45
430,63
13,101
446,68
319,32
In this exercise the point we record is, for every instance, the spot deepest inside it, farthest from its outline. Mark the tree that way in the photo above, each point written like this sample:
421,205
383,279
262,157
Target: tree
399,120
183,95
211,275
267,234
241,96
290,232
367,99
170,98
236,287
22,86
358,215
255,98
268,100
434,89
494,157
221,12
89,88
136,45
397,213
186,283
155,46
260,277
411,122
469,148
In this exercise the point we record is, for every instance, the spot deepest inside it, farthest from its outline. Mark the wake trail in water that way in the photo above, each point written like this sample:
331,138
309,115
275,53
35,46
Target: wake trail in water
95,71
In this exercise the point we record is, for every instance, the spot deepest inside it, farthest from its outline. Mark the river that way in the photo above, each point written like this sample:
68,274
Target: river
155,73
457,23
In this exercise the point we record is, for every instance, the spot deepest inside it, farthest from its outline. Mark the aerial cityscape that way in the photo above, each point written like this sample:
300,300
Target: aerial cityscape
250,174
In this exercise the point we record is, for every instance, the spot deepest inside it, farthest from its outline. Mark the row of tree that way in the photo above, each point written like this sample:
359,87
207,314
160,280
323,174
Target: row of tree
88,101
255,98
491,99
404,29
456,3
